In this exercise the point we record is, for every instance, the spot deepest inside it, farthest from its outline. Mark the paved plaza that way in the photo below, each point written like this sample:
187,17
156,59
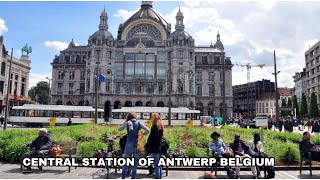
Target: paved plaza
12,171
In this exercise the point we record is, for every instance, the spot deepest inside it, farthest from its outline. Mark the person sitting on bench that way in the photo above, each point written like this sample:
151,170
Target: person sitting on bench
39,147
219,149
306,145
241,150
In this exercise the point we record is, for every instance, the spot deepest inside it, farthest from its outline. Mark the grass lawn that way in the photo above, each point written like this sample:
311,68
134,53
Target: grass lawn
192,141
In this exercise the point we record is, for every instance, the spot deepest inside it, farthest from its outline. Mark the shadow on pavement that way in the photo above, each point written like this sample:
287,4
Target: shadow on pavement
37,171
307,176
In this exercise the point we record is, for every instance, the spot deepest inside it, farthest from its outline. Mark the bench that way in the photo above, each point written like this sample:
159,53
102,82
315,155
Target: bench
215,167
68,150
305,156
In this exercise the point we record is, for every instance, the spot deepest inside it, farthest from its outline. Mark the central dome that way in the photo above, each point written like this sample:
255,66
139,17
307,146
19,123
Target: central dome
146,12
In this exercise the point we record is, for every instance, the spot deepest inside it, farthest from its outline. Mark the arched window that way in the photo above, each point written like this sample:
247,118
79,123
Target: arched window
3,68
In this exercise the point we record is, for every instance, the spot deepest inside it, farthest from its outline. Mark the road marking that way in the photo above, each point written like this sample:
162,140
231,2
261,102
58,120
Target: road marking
289,175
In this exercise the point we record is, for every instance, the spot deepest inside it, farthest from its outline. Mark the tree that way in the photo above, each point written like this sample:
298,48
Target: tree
295,104
304,106
40,92
314,111
283,105
289,105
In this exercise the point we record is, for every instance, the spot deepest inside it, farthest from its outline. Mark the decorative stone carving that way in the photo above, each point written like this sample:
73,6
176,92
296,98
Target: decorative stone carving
152,31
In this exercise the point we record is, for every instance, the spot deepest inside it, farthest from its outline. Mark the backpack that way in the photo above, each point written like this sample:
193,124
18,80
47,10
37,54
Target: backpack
164,146
270,172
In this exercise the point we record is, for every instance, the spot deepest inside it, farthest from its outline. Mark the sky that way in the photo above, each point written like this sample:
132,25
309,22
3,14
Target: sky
250,30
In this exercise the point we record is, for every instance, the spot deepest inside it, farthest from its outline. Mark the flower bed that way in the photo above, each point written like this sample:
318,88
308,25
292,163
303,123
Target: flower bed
190,141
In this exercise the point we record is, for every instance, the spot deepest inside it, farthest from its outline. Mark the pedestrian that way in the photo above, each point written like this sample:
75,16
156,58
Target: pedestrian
39,147
1,120
153,145
316,128
289,124
132,126
310,124
69,122
280,124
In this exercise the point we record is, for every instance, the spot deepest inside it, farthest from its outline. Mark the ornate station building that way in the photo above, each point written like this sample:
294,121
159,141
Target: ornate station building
133,67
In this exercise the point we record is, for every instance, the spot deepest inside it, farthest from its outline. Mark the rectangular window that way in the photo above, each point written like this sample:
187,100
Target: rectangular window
149,70
118,85
16,77
82,88
129,70
211,76
139,69
119,71
108,85
59,88
221,75
204,59
70,88
15,88
71,75
211,89
190,55
160,86
129,57
82,75
161,71
150,57
199,76
199,90
198,59
1,87
23,79
110,54
22,89
221,90
140,57
216,60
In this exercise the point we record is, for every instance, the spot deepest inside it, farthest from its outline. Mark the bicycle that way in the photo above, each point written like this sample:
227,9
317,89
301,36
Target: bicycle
111,153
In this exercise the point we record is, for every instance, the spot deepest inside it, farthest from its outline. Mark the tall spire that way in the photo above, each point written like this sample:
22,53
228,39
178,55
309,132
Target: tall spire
103,20
179,20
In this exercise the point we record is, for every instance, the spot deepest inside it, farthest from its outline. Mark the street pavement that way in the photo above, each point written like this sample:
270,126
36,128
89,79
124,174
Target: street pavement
12,171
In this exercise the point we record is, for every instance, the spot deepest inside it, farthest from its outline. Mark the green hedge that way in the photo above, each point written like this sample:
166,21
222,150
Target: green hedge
193,141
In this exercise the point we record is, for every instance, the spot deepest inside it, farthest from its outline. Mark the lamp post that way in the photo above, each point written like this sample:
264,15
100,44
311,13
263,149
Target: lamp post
97,86
49,89
276,87
8,93
170,88
224,115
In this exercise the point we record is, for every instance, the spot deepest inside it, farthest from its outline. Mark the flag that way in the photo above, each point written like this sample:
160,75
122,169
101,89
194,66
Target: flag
102,78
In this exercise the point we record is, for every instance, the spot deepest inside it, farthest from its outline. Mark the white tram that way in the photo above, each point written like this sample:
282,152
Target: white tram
179,116
40,115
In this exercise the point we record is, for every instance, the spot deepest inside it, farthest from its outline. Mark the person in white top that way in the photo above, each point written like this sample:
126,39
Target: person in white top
256,146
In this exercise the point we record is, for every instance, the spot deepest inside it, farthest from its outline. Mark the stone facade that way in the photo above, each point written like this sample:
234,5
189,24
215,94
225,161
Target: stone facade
133,68
312,78
300,85
19,77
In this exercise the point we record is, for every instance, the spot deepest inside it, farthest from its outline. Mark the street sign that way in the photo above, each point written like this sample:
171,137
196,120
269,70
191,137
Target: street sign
261,122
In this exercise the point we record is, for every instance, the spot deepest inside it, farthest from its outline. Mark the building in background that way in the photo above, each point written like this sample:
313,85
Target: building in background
245,96
300,84
19,78
134,65
313,71
266,105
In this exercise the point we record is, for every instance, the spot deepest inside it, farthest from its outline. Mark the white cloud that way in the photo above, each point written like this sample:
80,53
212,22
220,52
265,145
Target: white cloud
124,14
34,78
57,45
3,27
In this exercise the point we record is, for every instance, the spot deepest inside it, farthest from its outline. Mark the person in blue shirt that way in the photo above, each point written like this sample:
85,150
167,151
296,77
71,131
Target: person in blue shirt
219,149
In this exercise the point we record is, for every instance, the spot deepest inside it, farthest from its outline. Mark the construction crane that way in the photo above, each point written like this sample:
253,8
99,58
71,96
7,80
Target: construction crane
249,66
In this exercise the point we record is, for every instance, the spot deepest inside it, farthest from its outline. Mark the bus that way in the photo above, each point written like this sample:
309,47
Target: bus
33,115
179,116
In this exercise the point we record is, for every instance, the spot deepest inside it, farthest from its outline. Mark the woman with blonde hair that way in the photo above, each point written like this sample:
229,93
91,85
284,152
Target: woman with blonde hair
154,142
133,126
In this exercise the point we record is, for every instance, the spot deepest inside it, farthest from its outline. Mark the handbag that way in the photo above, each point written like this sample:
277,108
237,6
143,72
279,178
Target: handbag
140,144
55,151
